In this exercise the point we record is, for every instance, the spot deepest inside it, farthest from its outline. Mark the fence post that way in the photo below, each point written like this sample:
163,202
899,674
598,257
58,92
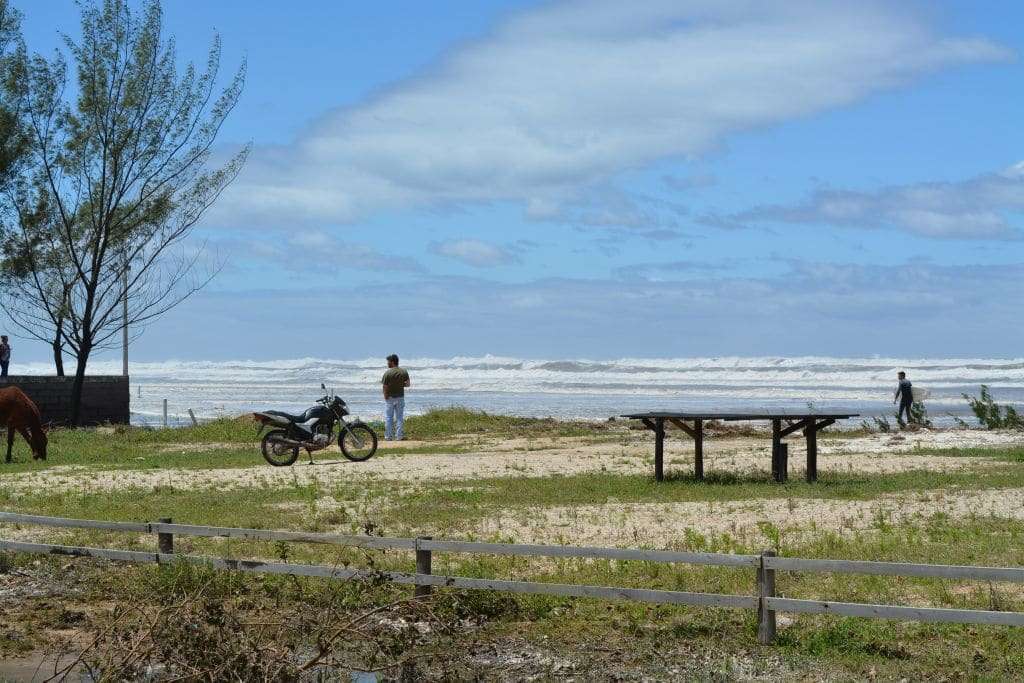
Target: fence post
165,542
765,589
423,558
165,413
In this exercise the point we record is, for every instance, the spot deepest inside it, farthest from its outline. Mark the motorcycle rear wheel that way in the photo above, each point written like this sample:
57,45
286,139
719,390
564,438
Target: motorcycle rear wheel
275,451
358,442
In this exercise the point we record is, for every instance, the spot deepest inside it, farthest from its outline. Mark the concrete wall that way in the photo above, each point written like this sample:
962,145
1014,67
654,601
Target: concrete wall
104,398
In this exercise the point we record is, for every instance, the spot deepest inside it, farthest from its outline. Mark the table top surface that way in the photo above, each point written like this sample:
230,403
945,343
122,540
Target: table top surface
736,416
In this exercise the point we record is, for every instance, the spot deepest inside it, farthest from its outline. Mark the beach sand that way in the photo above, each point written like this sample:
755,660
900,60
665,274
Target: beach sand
542,457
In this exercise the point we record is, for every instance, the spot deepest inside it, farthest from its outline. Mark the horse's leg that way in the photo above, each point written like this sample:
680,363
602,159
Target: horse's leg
10,441
28,439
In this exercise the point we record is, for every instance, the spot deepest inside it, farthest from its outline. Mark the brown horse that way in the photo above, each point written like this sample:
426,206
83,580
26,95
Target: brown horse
18,412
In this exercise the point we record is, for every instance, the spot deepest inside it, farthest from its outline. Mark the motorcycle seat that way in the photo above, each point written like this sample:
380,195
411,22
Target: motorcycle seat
304,417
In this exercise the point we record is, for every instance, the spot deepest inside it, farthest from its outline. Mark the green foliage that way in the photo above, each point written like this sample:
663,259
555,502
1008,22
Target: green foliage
877,424
991,414
119,176
13,140
168,584
439,423
919,415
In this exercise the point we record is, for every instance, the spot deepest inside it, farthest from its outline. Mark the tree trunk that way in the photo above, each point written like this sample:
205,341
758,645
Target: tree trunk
76,388
58,355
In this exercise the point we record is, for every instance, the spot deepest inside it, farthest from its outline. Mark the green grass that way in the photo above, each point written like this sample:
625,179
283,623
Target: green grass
814,646
463,501
124,447
444,423
995,452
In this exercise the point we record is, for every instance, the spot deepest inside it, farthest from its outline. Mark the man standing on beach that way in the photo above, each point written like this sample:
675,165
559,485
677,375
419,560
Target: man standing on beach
5,355
905,395
395,381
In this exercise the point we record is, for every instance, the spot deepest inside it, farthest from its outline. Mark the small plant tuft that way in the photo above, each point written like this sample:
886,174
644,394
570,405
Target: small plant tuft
919,415
877,424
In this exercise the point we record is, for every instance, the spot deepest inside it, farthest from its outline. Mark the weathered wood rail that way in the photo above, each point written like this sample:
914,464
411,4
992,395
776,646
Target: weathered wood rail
763,599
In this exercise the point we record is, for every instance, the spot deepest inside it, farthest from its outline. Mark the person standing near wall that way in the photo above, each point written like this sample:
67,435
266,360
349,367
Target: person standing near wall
5,355
395,381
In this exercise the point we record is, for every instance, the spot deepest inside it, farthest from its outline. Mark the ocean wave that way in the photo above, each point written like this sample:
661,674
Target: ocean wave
563,387
460,371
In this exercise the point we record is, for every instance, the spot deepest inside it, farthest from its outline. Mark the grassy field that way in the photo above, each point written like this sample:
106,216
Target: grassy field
583,637
236,441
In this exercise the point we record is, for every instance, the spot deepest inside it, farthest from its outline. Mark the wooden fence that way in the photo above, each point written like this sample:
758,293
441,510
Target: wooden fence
763,599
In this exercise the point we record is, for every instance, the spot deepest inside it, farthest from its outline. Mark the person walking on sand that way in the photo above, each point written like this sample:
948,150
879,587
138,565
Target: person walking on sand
395,381
905,395
5,355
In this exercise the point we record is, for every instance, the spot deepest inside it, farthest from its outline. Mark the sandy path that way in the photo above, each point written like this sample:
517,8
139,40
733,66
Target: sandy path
538,458
669,524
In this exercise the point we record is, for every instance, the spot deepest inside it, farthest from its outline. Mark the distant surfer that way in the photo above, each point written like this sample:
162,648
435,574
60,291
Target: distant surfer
905,396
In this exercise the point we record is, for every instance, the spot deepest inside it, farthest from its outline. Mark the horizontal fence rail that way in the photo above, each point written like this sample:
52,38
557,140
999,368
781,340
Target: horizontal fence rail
933,614
931,571
766,564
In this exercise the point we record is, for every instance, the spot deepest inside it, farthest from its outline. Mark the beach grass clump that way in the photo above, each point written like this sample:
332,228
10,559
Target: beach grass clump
993,415
440,423
238,429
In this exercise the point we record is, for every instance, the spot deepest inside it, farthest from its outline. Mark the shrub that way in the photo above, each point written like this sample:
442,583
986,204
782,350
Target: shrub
877,424
992,415
919,415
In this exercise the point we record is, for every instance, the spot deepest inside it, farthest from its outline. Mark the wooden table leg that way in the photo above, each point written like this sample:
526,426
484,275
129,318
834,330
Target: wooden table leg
811,433
776,443
698,449
659,449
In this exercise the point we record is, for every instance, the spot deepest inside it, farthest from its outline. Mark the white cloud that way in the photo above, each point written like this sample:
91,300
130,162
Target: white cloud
559,99
474,252
914,309
971,209
316,251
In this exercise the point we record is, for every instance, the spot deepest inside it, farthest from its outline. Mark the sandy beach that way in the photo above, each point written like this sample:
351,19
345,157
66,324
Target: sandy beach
876,453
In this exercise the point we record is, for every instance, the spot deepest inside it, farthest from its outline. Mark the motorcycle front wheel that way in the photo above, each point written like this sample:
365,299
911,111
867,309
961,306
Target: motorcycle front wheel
358,442
276,450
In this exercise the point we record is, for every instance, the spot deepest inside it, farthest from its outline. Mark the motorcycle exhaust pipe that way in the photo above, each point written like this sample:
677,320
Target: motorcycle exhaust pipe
311,445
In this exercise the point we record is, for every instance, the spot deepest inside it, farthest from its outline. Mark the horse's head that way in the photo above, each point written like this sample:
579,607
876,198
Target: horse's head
39,443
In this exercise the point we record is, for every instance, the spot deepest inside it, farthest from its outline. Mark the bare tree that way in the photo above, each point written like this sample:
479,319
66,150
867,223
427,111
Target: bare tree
119,177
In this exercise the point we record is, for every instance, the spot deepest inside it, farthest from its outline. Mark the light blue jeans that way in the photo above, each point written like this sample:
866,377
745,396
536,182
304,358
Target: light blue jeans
394,418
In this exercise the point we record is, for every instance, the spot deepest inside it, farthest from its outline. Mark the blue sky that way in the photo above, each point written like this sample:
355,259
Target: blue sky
607,179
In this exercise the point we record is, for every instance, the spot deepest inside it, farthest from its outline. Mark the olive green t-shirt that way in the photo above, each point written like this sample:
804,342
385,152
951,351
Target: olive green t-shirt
394,380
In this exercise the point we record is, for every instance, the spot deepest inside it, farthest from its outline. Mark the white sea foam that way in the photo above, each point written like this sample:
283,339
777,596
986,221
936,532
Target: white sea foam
575,387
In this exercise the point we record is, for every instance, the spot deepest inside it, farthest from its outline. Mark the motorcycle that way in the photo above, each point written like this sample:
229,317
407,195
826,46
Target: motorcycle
313,430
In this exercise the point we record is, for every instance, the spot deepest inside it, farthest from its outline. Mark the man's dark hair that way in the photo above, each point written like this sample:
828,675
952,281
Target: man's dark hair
393,358
901,374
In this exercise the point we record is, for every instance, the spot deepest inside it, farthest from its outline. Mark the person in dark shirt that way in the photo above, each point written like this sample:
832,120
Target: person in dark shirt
905,396
395,381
